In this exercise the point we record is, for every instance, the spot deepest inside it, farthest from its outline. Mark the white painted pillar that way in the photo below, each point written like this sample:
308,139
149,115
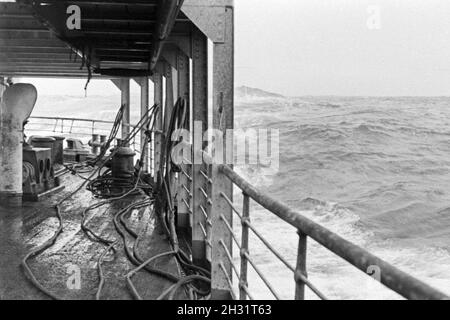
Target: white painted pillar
123,85
143,83
158,100
16,106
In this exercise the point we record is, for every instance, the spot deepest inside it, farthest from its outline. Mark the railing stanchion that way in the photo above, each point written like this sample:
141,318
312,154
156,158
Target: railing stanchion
301,269
243,283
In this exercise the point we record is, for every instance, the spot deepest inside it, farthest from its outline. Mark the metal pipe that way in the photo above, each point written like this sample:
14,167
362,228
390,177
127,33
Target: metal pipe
144,109
301,266
167,13
263,277
245,247
393,278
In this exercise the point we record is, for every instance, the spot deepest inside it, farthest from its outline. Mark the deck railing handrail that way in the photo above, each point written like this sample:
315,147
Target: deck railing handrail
390,276
66,125
71,119
393,278
80,120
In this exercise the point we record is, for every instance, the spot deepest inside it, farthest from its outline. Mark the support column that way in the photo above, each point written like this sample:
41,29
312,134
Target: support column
158,97
184,198
200,118
223,119
16,106
171,89
123,85
143,83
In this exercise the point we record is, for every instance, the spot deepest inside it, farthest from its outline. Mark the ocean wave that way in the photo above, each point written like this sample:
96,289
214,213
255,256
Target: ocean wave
371,131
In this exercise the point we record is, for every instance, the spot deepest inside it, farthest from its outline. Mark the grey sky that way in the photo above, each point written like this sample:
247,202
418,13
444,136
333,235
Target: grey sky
325,47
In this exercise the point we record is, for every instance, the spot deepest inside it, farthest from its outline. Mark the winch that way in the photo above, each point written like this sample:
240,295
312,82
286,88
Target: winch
38,168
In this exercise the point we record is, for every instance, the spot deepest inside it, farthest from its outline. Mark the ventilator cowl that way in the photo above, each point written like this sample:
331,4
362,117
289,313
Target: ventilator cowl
16,106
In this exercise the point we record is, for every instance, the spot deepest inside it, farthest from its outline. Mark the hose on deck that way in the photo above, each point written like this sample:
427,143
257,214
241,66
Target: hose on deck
49,243
178,120
100,187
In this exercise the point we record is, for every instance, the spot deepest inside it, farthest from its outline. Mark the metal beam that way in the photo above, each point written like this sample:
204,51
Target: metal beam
167,14
146,3
201,252
223,120
143,83
59,75
184,212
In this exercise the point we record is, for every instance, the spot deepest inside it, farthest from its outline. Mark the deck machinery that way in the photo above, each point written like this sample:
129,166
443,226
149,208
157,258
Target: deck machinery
164,41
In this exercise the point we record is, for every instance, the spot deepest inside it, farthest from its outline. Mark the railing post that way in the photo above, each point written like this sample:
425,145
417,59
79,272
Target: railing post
245,248
301,269
201,251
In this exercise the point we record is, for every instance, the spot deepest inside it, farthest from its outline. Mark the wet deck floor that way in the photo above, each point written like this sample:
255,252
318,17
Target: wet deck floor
26,228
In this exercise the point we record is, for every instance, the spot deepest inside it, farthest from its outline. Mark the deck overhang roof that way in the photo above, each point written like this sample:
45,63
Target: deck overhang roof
117,37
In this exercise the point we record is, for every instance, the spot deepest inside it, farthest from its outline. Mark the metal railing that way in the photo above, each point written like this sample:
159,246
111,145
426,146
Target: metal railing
391,277
76,128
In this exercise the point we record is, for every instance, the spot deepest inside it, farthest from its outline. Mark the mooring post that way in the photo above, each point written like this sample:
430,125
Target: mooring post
223,120
201,209
184,184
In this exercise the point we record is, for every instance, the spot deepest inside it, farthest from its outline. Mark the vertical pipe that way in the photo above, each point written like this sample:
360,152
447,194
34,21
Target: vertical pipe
144,108
158,97
184,213
170,101
301,266
125,98
170,94
245,247
200,118
223,120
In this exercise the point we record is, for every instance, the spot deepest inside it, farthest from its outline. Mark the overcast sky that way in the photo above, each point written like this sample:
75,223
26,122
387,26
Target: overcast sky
337,47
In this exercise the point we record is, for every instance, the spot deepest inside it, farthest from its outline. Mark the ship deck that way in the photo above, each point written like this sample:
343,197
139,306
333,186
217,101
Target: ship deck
23,229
